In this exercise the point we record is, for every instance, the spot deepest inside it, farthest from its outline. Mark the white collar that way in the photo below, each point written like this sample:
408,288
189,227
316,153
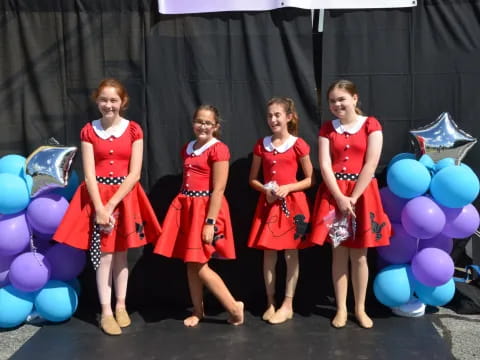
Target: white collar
204,147
117,131
337,125
268,145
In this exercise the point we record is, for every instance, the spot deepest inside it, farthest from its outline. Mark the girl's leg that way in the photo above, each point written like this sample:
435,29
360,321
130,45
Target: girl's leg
104,286
120,280
340,257
285,312
269,265
358,258
216,285
196,294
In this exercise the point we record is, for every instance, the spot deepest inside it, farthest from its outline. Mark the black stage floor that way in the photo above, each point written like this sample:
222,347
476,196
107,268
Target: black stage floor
308,336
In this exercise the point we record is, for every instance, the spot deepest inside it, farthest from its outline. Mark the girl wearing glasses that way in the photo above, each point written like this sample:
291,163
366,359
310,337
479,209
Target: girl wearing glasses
197,226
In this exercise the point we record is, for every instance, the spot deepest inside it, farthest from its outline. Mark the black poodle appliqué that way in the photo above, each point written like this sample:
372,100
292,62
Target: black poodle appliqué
376,227
302,228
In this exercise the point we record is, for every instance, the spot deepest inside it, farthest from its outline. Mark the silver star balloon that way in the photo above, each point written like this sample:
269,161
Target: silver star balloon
442,139
49,167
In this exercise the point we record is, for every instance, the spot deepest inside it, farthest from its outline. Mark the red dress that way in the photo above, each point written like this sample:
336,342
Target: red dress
183,224
281,224
348,150
135,220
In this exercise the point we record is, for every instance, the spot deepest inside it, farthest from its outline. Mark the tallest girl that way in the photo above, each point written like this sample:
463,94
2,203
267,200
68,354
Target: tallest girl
349,150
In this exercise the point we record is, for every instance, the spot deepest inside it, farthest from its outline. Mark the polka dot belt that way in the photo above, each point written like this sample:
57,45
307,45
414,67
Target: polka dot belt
195,193
346,176
110,180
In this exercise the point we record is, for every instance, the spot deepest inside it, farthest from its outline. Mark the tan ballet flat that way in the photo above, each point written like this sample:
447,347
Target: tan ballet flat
109,325
268,314
123,320
280,317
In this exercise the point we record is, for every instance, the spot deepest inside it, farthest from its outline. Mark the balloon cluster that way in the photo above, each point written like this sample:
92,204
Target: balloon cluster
35,273
429,202
429,205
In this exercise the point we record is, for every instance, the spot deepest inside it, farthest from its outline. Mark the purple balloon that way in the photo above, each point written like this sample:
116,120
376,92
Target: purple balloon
392,204
432,267
67,262
461,222
402,246
5,262
14,234
29,272
440,241
423,218
45,212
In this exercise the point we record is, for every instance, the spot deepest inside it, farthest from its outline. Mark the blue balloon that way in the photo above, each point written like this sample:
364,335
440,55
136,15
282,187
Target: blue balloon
57,301
13,164
393,286
15,305
455,186
68,191
428,162
75,284
400,157
14,196
408,178
435,295
443,163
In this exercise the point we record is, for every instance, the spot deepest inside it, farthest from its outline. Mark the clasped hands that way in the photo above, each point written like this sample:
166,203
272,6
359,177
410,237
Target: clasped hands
346,205
275,192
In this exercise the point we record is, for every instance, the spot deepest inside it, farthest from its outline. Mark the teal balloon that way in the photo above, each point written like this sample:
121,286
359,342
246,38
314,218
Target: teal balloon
443,163
14,196
428,162
15,305
435,295
455,186
393,285
56,301
12,164
400,157
408,178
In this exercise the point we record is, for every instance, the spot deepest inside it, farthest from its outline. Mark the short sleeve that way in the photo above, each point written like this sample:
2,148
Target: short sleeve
372,124
257,149
136,131
220,152
301,148
326,129
86,133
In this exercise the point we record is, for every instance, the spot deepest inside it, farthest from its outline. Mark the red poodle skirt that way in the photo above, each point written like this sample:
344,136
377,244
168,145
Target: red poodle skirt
282,224
182,231
135,220
372,224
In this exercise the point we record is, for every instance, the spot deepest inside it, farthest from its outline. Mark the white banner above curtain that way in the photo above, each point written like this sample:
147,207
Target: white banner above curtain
204,6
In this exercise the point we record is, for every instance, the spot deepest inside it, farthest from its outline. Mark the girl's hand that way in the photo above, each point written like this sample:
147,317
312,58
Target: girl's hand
282,191
346,205
102,216
207,233
270,196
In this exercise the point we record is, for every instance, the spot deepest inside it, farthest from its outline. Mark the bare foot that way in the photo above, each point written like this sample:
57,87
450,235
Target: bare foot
267,315
236,318
364,320
192,320
340,319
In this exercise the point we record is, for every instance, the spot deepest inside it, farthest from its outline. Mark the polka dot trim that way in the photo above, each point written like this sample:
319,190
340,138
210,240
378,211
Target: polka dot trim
194,193
285,208
110,180
346,176
95,251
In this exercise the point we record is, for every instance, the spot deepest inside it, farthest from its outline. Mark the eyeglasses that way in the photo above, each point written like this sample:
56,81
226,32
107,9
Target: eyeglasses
207,124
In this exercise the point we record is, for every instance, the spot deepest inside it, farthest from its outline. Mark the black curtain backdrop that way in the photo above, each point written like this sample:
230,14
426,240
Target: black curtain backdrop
410,65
